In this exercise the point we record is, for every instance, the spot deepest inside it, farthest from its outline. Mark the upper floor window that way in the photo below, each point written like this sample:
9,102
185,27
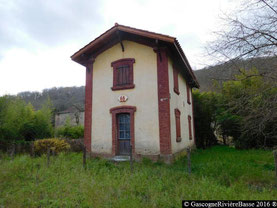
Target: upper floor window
188,94
175,81
123,76
178,125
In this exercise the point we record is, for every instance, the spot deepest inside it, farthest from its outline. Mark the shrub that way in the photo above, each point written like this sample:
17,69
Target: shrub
56,145
76,145
72,132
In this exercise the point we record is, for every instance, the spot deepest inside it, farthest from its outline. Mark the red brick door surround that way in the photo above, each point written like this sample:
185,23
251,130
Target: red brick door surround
117,110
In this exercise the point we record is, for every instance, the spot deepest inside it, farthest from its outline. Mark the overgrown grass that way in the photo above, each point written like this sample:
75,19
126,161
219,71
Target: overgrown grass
217,173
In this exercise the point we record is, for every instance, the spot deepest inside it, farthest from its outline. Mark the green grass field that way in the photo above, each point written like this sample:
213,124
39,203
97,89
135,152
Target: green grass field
217,173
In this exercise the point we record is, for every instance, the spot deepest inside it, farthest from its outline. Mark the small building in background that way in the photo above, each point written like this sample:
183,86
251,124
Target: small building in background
74,115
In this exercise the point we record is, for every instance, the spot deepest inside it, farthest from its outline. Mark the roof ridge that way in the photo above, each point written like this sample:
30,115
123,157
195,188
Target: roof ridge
116,25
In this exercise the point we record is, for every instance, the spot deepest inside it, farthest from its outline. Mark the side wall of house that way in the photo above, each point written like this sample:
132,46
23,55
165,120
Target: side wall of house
179,102
144,97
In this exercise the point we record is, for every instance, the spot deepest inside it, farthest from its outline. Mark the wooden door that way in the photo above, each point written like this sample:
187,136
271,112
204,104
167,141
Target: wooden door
123,133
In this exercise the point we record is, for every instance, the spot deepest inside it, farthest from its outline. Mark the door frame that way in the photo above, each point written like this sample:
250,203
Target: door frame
118,110
118,134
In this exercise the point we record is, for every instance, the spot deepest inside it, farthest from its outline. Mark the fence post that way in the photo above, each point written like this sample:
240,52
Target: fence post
275,160
13,151
188,159
84,157
131,158
53,152
32,149
37,177
48,156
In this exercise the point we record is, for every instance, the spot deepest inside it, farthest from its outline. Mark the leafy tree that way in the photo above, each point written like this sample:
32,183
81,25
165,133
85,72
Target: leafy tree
19,122
251,104
245,110
204,116
13,116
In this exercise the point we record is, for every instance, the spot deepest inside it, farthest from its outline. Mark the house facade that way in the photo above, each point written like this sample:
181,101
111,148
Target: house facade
138,94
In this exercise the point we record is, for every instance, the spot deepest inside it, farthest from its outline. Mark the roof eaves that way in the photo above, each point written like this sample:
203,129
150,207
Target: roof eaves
185,60
89,45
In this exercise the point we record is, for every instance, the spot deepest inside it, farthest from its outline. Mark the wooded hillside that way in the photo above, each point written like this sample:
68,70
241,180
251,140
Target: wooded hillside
62,98
227,71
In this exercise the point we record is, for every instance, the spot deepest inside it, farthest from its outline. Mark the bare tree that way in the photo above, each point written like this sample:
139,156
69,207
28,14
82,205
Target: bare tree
249,33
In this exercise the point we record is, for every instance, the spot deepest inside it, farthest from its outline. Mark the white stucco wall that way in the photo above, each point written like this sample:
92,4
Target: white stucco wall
180,102
144,96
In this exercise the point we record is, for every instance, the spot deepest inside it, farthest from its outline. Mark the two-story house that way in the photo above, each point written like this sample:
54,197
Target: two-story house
138,94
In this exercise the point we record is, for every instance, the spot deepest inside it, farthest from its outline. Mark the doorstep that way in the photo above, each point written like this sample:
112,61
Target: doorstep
120,158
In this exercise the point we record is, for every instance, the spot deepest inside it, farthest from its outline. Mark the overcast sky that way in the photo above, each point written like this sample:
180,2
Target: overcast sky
37,37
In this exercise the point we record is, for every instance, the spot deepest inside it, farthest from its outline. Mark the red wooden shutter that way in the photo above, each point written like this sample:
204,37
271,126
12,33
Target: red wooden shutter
190,132
188,93
127,76
178,125
123,74
175,80
119,76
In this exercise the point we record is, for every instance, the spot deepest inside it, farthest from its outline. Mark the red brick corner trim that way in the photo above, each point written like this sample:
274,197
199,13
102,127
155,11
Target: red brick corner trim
163,101
193,121
120,62
88,105
122,109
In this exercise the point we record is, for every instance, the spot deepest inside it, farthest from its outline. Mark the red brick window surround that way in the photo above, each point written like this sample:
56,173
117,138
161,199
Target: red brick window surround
190,132
175,81
178,125
123,76
188,94
118,110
